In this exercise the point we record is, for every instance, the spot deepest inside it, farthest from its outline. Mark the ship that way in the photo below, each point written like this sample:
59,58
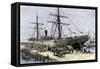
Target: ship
58,44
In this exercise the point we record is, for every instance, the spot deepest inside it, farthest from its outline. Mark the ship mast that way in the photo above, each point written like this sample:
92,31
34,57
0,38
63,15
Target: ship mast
58,22
59,26
37,26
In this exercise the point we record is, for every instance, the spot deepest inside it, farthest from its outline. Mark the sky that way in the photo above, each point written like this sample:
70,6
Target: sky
79,19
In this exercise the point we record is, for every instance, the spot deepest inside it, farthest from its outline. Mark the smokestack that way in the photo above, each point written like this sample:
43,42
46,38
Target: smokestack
46,32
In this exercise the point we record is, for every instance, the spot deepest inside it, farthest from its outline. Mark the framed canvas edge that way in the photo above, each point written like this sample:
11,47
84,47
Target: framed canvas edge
17,51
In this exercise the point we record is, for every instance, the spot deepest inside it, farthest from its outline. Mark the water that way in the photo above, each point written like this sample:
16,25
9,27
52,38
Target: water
92,49
26,61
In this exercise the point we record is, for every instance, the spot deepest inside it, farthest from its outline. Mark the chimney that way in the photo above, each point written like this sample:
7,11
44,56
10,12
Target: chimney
46,32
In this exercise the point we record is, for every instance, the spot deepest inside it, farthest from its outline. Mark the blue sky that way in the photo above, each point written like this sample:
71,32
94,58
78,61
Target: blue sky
84,19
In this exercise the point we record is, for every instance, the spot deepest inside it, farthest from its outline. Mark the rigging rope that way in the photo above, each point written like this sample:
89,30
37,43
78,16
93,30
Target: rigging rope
76,27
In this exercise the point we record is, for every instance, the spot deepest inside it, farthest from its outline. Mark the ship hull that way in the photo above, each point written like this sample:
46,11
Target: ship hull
76,42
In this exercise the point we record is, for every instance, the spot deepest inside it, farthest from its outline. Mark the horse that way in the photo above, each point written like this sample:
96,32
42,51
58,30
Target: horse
69,49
